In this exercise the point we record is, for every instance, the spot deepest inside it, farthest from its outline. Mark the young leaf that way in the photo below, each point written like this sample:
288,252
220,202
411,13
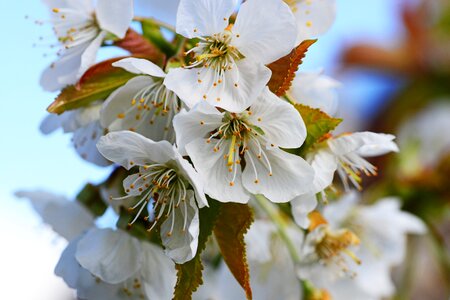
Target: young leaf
138,45
189,275
96,84
283,70
318,124
152,32
233,223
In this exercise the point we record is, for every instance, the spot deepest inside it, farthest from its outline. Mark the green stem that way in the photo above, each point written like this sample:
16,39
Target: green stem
281,225
290,98
155,22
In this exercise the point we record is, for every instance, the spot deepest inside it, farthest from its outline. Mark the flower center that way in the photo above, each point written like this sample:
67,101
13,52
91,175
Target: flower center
336,243
74,28
215,52
164,186
239,134
150,103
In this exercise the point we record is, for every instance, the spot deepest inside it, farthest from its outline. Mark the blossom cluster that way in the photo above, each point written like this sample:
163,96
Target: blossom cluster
208,126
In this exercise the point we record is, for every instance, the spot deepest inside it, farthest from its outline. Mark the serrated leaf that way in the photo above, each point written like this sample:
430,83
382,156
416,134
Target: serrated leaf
189,275
96,84
283,70
91,198
318,124
233,223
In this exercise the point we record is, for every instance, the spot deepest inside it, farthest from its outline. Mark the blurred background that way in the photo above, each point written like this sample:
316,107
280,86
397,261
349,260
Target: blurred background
392,57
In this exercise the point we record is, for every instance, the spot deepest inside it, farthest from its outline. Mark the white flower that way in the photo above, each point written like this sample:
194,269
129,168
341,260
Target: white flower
219,143
314,17
382,229
84,123
316,90
112,265
67,218
167,180
144,104
344,154
272,272
229,67
81,30
423,130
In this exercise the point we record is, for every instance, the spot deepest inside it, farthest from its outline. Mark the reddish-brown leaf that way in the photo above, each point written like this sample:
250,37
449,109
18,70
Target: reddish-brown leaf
138,45
283,70
233,223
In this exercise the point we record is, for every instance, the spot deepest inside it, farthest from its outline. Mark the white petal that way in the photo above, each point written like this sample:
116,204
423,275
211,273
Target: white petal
259,40
376,144
120,101
140,66
70,270
112,256
85,142
203,17
51,123
158,273
115,16
239,88
185,168
214,170
363,143
336,212
301,207
85,6
89,55
314,17
181,241
282,124
325,165
128,148
67,218
258,240
291,174
316,90
195,124
64,71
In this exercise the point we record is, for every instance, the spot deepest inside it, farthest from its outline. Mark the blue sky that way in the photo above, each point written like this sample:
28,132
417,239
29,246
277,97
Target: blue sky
30,160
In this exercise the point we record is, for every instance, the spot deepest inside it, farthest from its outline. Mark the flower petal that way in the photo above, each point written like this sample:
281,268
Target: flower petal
239,88
179,239
195,180
316,90
85,143
140,66
301,207
199,122
282,124
67,218
314,17
128,149
256,39
89,55
213,168
112,256
203,17
288,176
115,16
363,143
325,165
158,273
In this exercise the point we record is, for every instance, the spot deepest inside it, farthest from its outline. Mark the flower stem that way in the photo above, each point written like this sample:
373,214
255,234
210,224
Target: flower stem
280,223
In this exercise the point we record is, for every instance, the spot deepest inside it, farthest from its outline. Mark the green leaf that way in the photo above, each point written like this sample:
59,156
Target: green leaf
318,124
152,32
233,223
283,70
189,275
96,84
91,199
